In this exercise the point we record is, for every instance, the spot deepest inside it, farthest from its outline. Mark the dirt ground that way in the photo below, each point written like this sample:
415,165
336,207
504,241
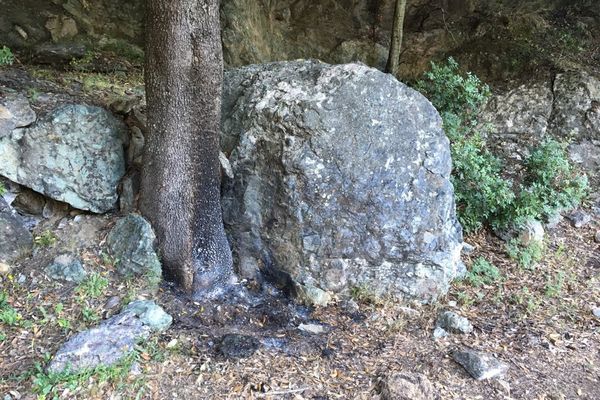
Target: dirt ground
538,320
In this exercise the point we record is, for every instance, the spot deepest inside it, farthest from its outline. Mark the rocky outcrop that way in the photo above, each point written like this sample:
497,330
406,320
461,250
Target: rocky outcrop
341,180
568,108
494,38
74,154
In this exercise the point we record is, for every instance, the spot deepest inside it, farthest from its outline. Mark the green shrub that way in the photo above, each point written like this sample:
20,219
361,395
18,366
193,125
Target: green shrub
452,93
526,256
6,56
482,272
483,196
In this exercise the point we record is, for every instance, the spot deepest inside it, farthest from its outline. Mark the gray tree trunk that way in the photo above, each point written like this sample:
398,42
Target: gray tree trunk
181,175
393,61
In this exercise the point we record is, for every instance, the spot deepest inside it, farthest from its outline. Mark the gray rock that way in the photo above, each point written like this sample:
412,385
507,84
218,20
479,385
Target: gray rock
5,268
597,237
312,296
151,314
29,202
520,113
480,365
73,155
531,232
579,218
66,267
596,312
360,50
15,112
574,113
406,386
439,333
131,242
312,328
105,344
341,180
58,53
467,248
566,108
454,323
15,240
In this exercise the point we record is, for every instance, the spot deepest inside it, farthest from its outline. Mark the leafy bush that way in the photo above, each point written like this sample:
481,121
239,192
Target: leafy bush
527,257
6,56
483,196
482,272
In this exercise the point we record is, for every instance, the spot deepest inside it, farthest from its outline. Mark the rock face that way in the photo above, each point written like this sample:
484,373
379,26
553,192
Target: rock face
112,340
566,108
73,155
340,180
15,239
131,242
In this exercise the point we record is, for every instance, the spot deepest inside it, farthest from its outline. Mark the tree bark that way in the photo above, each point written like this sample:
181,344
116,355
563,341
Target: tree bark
180,193
393,61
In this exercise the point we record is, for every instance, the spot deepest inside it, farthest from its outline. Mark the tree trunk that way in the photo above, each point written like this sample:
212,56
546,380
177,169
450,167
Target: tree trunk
181,175
396,43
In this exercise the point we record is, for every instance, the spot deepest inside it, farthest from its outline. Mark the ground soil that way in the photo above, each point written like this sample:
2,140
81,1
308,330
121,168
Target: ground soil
538,323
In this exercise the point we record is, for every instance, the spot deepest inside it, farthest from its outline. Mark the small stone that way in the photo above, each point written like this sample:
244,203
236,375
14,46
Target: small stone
409,312
553,220
21,279
131,242
439,333
579,218
597,237
112,302
66,267
135,369
454,323
151,314
467,248
351,306
406,386
311,328
5,268
234,345
313,296
480,365
596,312
531,232
15,239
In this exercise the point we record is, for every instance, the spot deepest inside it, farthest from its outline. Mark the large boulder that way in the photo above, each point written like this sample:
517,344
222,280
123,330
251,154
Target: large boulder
341,180
74,155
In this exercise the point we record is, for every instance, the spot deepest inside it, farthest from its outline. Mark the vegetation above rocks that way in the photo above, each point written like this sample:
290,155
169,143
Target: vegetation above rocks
484,196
